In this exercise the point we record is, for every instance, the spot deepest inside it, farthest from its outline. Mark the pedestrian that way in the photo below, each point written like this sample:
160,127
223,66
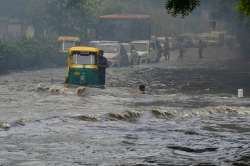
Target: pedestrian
124,61
135,59
102,60
159,50
200,49
181,50
166,50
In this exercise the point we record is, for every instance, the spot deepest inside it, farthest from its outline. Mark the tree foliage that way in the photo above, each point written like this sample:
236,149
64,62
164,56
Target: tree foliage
59,16
31,54
185,7
70,17
181,7
244,7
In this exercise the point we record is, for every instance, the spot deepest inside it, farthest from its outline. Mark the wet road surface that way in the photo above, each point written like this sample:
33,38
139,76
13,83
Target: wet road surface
186,117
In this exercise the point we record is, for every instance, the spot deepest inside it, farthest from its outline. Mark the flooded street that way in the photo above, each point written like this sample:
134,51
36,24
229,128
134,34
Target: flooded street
187,117
172,77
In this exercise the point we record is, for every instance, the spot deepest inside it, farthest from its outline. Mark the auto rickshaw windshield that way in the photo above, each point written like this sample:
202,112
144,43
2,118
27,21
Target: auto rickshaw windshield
84,58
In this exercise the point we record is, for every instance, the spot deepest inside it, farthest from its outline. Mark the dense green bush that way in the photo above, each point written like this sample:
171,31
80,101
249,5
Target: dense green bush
29,54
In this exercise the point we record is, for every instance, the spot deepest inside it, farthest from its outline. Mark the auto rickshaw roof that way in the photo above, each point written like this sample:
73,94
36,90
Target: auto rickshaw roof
84,49
68,38
125,16
140,42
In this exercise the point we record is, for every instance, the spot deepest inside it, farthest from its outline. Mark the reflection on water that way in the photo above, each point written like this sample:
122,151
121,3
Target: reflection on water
174,123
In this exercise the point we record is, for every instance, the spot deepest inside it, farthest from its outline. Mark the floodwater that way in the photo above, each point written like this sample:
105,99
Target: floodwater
186,117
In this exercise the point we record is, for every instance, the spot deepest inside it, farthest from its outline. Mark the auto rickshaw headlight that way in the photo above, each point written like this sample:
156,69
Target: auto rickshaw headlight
77,74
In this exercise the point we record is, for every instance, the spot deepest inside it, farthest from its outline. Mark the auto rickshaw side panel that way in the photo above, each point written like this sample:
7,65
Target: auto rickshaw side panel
87,76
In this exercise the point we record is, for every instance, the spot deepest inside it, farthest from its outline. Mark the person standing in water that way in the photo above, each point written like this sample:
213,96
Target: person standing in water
181,49
166,50
160,50
200,49
135,59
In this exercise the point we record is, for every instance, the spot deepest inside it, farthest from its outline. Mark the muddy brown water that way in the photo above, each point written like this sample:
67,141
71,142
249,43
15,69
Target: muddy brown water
185,118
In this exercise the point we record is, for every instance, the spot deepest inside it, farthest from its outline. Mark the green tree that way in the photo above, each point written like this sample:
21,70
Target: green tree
70,17
185,7
66,17
244,7
182,7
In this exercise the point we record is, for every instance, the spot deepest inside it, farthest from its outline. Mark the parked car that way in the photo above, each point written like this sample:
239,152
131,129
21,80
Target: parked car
113,51
146,51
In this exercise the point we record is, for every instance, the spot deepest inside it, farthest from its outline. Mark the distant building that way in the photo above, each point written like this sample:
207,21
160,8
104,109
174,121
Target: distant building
15,29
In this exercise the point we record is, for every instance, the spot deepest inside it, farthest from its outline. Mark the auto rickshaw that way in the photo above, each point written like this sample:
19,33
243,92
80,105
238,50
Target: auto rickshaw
86,66
67,42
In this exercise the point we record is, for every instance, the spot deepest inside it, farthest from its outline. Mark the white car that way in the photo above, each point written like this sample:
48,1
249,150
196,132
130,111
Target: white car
113,51
146,50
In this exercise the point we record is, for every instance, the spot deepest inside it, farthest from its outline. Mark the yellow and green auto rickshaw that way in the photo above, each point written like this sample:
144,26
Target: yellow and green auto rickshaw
86,66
